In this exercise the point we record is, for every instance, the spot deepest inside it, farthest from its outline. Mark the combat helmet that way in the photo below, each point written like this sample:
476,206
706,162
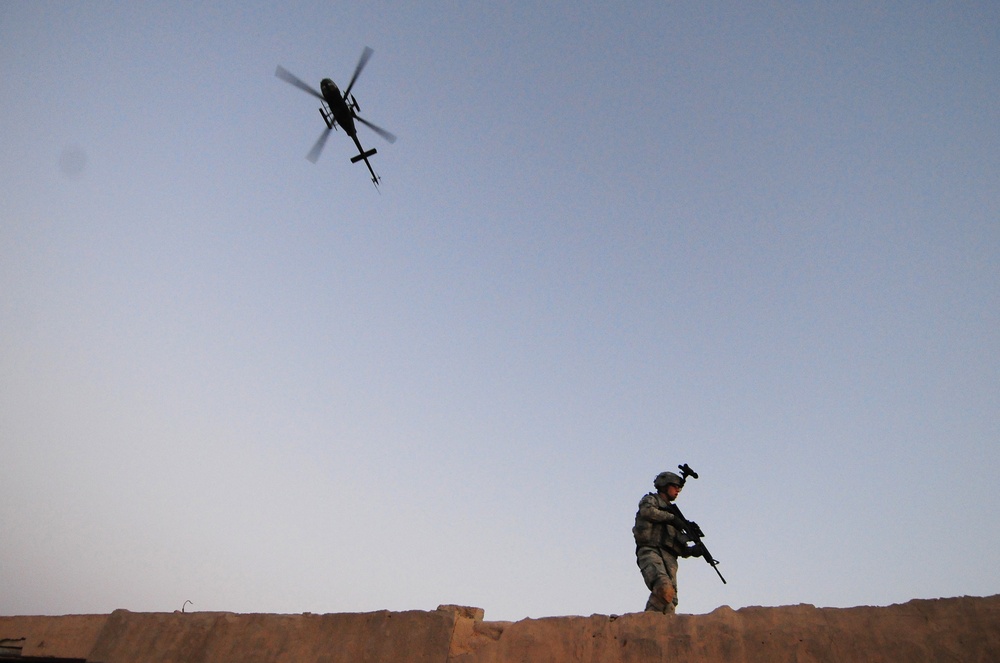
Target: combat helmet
664,479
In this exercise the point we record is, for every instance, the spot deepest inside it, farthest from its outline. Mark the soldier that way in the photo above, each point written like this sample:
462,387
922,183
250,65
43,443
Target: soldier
659,541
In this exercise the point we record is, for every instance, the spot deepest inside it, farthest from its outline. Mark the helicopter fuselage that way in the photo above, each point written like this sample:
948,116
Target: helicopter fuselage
341,112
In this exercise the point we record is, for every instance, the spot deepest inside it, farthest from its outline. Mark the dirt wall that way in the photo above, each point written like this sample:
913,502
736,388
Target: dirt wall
962,629
956,629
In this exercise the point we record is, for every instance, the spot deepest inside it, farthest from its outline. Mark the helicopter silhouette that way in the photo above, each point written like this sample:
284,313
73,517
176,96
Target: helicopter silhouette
339,108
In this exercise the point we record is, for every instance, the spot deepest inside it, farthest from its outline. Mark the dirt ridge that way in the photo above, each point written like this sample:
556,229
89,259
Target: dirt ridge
948,629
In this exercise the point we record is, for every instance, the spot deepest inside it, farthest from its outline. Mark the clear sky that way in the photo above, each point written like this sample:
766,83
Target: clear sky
762,240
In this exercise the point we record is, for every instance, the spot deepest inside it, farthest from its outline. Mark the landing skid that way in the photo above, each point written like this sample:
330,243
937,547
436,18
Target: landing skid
327,117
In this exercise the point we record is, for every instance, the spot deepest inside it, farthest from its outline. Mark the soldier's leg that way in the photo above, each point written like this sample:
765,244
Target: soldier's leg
663,598
670,564
662,592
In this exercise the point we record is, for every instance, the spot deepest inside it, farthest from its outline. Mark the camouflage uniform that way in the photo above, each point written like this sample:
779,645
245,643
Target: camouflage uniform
658,544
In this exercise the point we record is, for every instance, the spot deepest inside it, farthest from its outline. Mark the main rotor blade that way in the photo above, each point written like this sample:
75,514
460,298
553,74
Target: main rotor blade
377,129
292,79
318,147
367,53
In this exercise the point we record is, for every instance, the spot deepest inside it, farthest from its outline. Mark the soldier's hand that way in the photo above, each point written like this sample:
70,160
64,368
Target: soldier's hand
694,551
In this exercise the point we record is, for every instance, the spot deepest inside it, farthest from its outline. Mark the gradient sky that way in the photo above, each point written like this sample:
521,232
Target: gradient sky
762,240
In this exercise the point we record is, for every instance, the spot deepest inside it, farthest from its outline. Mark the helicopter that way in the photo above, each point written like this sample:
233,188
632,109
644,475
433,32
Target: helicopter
339,108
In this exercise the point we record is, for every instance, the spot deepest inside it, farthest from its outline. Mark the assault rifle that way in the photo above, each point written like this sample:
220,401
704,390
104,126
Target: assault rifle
691,528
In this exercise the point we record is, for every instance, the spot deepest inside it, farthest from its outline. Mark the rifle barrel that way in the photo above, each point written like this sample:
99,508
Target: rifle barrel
695,536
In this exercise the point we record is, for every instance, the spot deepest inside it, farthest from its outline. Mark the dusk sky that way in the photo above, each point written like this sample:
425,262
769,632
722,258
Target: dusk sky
762,239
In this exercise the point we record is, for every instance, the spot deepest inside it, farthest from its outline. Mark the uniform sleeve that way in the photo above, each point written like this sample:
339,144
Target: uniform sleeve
648,510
